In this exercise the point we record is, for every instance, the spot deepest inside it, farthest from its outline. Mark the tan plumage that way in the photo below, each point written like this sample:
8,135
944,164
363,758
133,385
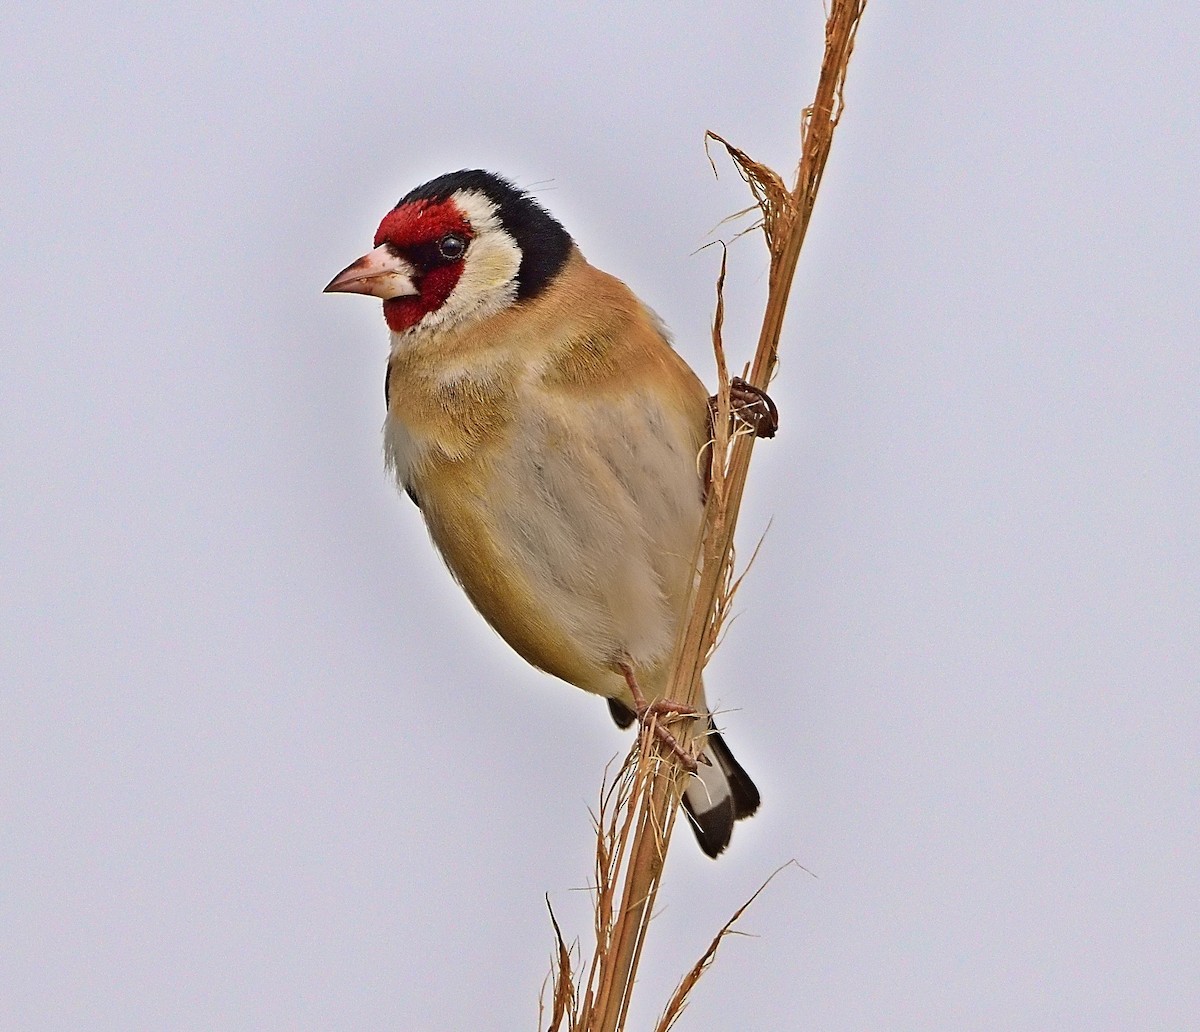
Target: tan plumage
474,414
552,444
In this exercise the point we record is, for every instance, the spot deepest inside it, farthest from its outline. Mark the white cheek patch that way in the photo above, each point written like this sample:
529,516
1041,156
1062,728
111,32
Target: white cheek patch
488,283
489,277
479,211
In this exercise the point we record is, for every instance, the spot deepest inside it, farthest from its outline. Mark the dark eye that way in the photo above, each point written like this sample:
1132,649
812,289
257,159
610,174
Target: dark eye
452,246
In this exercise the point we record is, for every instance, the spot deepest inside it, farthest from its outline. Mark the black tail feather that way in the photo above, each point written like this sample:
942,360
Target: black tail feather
713,828
745,791
713,825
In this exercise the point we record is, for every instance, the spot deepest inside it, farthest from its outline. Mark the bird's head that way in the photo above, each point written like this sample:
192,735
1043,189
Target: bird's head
464,246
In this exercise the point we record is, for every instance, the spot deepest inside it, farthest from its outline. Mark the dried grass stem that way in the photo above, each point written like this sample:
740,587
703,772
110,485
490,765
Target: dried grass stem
632,841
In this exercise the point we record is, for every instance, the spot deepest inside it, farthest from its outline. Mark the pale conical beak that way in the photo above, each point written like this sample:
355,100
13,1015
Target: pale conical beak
380,274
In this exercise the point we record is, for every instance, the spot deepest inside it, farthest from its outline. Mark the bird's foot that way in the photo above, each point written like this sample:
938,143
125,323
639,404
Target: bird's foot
752,407
648,712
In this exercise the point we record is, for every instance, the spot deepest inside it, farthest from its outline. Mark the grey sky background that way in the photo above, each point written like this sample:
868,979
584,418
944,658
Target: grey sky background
261,766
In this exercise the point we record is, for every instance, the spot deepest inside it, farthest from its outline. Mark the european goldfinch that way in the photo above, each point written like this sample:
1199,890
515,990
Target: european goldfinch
541,421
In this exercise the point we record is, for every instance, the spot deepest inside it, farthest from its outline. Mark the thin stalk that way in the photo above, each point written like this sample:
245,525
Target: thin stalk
660,776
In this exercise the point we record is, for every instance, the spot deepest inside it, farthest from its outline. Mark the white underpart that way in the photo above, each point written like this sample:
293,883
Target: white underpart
599,506
401,450
488,283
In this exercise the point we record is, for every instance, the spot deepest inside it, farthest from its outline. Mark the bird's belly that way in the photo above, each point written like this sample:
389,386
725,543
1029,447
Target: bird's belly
576,547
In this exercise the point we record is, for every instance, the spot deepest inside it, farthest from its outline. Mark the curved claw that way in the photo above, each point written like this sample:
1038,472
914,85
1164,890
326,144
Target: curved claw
659,708
754,407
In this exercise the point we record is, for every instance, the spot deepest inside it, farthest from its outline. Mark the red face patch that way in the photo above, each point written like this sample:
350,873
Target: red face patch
415,231
421,222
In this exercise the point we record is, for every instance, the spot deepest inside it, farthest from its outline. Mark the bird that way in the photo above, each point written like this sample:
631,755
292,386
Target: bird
551,437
